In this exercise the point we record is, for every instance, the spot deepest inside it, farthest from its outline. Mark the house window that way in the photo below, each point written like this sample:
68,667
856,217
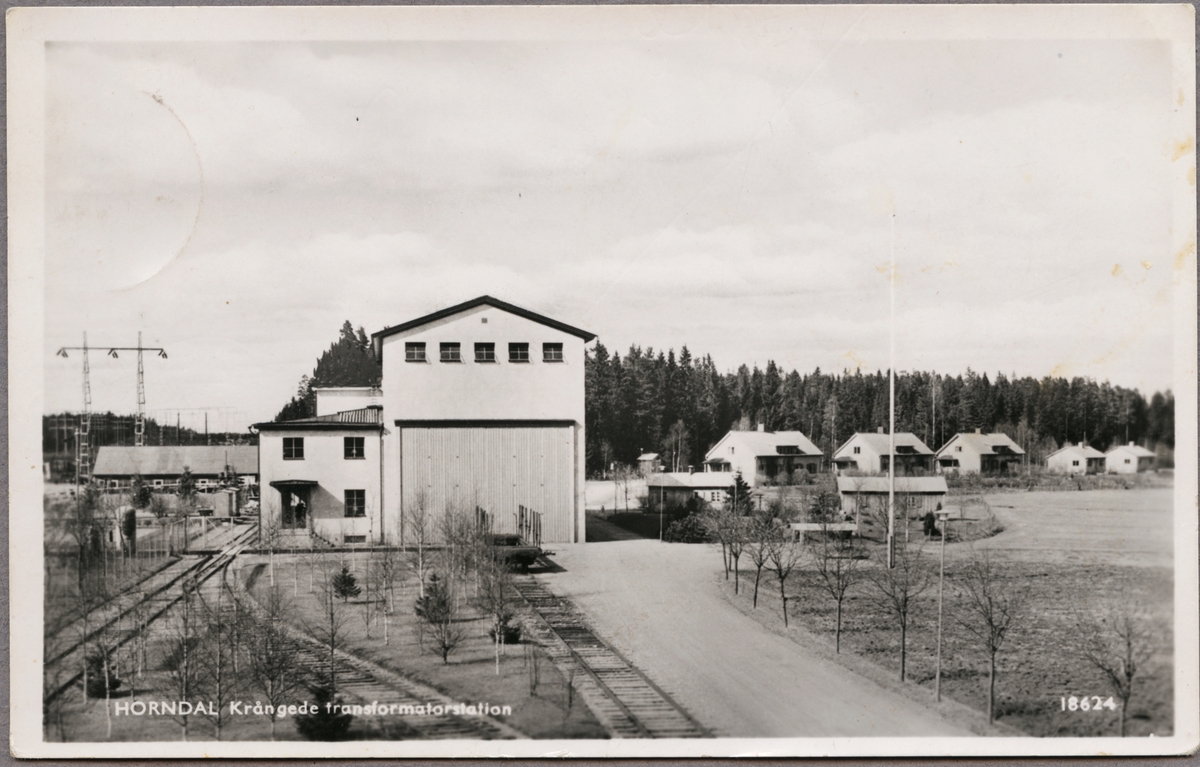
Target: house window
414,351
518,352
354,447
451,352
293,449
552,352
356,503
485,352
1126,460
1074,463
159,482
958,448
731,449
857,449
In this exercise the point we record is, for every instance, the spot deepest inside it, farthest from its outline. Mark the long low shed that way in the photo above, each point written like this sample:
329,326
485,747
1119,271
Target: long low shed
916,495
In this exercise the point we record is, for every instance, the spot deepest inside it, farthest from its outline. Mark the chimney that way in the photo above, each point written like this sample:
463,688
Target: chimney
977,431
880,430
1131,443
691,469
762,427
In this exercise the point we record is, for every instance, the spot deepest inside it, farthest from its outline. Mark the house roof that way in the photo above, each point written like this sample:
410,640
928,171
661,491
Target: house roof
481,301
984,444
766,443
1086,452
155,460
879,442
648,457
370,417
1135,450
699,480
880,485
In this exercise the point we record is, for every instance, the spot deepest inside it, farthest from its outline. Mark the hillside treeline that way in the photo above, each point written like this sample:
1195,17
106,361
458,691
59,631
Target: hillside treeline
679,406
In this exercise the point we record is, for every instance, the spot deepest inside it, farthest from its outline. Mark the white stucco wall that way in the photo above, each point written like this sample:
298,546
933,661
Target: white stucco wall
339,399
324,461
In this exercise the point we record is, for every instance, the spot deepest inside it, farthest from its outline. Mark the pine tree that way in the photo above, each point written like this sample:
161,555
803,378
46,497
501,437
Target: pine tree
345,585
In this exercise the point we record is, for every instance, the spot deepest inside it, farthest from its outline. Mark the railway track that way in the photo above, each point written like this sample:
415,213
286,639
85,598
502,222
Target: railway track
624,699
119,620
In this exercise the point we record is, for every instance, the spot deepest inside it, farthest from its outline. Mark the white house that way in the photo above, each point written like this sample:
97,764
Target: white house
764,457
868,453
479,408
1076,459
674,489
975,453
1129,459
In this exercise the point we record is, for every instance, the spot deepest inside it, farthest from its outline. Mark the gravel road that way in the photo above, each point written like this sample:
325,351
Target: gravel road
661,606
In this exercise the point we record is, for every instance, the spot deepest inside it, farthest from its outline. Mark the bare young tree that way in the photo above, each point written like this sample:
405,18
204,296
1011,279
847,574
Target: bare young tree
389,567
784,553
330,626
1119,645
758,547
182,666
897,588
994,603
217,681
418,531
272,667
495,599
837,571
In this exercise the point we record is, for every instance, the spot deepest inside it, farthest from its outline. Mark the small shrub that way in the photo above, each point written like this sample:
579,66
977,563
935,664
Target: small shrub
95,666
345,585
690,529
509,635
325,723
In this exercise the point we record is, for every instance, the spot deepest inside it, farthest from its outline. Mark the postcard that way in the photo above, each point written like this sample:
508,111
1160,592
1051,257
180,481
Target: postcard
603,381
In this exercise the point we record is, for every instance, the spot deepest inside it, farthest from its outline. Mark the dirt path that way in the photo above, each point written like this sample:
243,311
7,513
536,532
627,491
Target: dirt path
658,605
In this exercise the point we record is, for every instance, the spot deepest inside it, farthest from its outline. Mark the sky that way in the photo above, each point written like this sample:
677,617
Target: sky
235,202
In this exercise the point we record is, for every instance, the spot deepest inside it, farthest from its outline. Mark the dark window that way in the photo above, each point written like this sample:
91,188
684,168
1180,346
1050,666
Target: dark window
1074,463
451,352
354,447
787,449
485,352
293,448
552,353
518,352
414,351
356,503
857,450
354,539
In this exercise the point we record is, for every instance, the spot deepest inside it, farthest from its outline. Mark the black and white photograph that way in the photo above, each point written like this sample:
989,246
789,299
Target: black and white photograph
603,381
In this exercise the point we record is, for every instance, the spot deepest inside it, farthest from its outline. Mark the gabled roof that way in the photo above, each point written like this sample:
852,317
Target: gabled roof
984,444
1086,452
481,301
880,484
648,457
370,417
155,460
1135,450
694,480
766,443
879,442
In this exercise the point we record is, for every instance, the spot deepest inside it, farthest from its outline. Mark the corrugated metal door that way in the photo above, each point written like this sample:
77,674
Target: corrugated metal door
496,468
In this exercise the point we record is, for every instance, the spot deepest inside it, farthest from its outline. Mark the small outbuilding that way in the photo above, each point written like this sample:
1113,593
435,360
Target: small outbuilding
915,496
649,463
674,490
1129,459
1076,459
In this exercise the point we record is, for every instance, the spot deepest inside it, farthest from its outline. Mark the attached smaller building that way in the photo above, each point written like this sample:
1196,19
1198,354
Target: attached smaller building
764,457
979,453
674,489
868,496
1129,459
867,453
1076,459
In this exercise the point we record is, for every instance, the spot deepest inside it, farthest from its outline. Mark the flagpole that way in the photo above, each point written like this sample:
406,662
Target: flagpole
891,542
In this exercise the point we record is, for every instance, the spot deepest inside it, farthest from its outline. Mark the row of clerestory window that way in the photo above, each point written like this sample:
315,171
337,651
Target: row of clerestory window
451,351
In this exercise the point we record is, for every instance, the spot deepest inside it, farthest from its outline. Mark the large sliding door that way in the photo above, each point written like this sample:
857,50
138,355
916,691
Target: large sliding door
498,468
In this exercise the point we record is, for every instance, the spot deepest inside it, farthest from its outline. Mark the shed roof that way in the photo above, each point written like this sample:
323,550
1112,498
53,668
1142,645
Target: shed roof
699,480
155,460
767,443
935,485
370,417
481,301
879,442
984,444
648,457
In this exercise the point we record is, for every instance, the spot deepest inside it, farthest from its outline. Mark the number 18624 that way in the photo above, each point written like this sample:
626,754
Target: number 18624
1088,703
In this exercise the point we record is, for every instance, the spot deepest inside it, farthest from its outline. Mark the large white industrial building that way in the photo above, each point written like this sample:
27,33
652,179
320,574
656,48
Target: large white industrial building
480,407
